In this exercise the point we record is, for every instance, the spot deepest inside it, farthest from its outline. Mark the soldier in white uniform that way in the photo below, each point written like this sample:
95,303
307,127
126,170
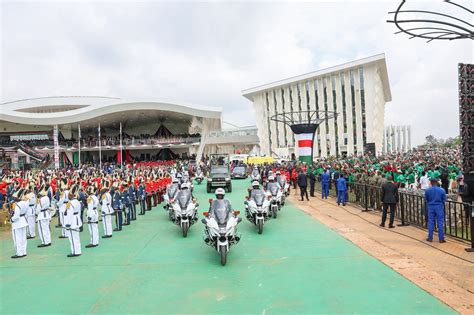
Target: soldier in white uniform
19,223
63,200
73,223
31,213
43,216
92,217
107,210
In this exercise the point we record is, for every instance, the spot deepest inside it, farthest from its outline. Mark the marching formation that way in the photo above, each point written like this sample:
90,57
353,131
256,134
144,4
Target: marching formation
78,197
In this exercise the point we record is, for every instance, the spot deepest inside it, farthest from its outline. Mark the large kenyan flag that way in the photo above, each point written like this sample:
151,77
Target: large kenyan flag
304,135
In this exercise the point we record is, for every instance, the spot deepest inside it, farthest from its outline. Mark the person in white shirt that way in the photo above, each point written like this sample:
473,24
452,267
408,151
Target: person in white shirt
424,181
31,213
106,208
73,222
92,217
19,223
43,216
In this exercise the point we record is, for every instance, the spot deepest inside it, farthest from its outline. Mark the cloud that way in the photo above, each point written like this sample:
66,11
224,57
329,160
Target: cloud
207,52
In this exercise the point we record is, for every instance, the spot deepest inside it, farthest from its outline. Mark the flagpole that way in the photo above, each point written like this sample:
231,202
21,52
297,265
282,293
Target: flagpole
121,156
79,131
100,151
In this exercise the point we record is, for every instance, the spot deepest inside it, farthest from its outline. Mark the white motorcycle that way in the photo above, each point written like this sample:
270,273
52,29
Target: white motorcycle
199,177
184,211
221,233
275,194
258,210
255,176
169,198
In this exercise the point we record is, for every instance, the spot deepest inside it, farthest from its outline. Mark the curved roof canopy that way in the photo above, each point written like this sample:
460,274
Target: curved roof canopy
73,109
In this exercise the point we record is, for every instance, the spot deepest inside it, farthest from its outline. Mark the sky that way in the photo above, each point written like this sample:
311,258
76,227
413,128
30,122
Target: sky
208,52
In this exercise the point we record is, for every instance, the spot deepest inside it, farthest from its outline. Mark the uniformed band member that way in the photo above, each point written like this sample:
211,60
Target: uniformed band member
72,220
107,210
117,206
31,213
92,217
141,197
63,200
43,216
19,207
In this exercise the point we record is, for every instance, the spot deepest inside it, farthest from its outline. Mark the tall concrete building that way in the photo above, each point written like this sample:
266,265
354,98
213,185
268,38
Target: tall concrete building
397,139
357,91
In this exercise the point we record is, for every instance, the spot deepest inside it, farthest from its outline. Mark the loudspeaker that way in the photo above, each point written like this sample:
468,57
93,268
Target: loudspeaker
466,115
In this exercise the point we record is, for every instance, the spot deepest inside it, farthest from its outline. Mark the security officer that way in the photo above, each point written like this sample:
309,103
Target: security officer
435,198
312,181
31,213
341,184
325,179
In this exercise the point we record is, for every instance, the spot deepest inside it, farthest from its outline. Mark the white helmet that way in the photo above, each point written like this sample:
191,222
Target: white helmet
278,172
184,185
175,180
255,183
271,177
220,191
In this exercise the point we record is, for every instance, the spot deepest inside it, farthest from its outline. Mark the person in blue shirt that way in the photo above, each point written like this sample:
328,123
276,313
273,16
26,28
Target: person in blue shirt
133,197
1,200
141,197
435,198
117,206
83,201
126,201
341,185
325,179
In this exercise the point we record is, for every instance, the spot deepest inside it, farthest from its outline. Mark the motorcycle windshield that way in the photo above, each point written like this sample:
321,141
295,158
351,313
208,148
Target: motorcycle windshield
221,215
273,189
255,174
183,198
172,190
259,197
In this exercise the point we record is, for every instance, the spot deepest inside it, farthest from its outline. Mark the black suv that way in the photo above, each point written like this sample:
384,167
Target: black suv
219,177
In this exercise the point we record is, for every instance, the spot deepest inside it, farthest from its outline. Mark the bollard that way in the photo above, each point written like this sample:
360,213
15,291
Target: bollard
471,249
402,212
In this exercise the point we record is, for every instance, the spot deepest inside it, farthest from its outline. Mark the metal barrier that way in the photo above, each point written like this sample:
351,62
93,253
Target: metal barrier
411,208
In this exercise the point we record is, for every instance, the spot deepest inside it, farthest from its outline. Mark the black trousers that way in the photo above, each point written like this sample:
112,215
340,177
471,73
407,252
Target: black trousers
311,188
392,212
304,192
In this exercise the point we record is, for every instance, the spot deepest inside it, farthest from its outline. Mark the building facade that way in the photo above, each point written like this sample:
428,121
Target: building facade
397,139
357,91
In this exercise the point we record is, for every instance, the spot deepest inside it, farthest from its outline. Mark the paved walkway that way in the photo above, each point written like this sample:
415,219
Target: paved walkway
298,266
445,270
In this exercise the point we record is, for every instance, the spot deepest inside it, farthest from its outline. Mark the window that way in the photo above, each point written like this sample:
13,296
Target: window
268,123
334,102
362,102
344,105
317,113
353,104
284,117
325,94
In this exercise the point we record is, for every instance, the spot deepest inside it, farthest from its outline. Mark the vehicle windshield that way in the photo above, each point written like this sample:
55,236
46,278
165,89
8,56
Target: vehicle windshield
219,171
239,169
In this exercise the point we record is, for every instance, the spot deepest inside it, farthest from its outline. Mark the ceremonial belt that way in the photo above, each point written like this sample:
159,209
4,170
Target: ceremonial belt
44,210
75,213
32,205
22,215
93,222
94,208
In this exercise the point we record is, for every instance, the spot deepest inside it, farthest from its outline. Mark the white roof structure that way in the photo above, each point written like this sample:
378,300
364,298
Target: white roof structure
377,59
73,109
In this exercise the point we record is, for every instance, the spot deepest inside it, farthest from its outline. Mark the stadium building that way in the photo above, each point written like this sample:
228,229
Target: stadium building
56,131
357,91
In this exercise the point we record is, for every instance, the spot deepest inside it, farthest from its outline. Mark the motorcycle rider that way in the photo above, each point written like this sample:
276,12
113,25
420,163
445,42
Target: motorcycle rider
172,190
272,185
254,191
220,208
184,196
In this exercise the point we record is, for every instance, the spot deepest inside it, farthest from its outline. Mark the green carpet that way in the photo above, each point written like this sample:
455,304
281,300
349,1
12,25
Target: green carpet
297,266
